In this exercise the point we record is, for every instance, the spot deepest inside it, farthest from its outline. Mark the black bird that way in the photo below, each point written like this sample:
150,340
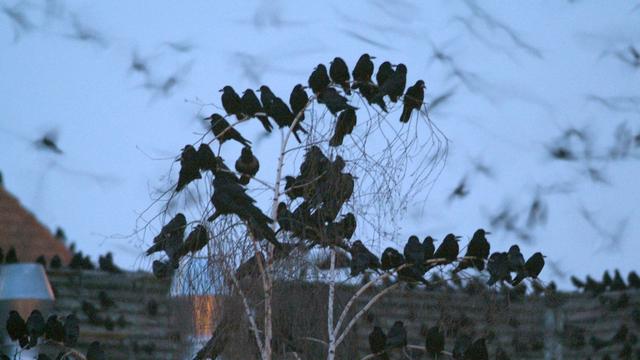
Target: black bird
71,330
377,343
285,217
229,197
266,97
319,79
460,346
56,262
363,70
397,336
618,283
395,84
498,268
48,142
53,329
413,99
391,259
477,251
334,101
95,352
477,351
247,165
170,238
196,240
206,158
162,269
429,248
516,260
251,107
634,280
189,169
106,263
448,249
231,102
339,73
362,258
11,257
106,302
369,92
413,251
40,260
223,131
298,100
434,341
343,229
35,327
385,71
16,327
344,126
579,284
532,268
284,117
1,252
412,274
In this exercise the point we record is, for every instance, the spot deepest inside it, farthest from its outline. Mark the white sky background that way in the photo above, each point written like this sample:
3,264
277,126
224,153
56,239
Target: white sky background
113,129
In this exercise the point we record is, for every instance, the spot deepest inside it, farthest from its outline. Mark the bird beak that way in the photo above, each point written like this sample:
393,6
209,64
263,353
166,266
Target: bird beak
372,57
487,232
258,90
221,90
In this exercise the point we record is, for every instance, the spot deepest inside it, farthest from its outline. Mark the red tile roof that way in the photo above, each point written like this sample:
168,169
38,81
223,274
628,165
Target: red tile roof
20,229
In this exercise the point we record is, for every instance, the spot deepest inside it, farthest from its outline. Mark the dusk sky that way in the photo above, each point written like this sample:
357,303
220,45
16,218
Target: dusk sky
521,74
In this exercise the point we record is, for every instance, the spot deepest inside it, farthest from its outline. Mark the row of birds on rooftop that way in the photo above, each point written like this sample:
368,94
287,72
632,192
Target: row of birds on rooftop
78,261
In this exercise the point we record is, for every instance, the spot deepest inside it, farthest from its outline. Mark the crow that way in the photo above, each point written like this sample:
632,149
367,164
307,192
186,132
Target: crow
229,197
460,346
247,165
498,268
516,260
532,268
284,217
336,232
413,274
394,85
448,250
106,302
231,102
53,329
391,259
362,258
95,352
251,107
170,238
35,327
434,341
266,97
284,117
344,126
162,269
298,100
319,79
428,247
369,91
206,158
413,99
334,101
377,343
48,142
56,262
397,336
105,263
11,257
196,240
189,169
477,351
413,251
339,73
223,131
385,71
17,328
477,251
363,70
71,330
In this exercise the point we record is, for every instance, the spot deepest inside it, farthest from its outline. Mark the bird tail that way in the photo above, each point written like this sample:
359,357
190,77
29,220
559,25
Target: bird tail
244,179
346,88
406,114
154,248
244,141
521,276
265,123
336,140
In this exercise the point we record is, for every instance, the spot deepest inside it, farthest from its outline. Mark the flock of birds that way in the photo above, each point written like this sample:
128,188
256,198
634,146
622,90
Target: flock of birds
78,261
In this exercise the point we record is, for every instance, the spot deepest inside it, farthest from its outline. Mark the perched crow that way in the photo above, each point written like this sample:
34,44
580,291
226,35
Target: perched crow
247,165
35,327
206,159
394,85
634,280
413,251
106,302
56,262
448,249
477,251
429,248
532,268
369,92
229,197
334,101
339,73
516,260
413,99
11,257
71,330
162,269
391,259
223,131
251,107
397,336
363,70
40,260
95,352
618,283
267,97
16,327
362,259
385,71
196,240
285,217
53,329
189,169
460,346
231,102
170,238
106,264
377,343
434,341
298,100
319,79
498,268
336,232
284,117
477,351
344,126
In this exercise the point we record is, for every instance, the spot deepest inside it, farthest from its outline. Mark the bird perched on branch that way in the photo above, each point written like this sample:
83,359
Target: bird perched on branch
385,71
394,85
434,341
391,259
189,167
298,100
413,251
397,336
369,91
195,241
170,238
498,268
229,197
413,99
206,158
71,330
363,70
448,250
231,102
251,107
54,329
247,165
35,327
362,259
319,79
279,111
428,247
334,101
477,252
339,73
223,131
344,126
17,328
533,267
378,342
